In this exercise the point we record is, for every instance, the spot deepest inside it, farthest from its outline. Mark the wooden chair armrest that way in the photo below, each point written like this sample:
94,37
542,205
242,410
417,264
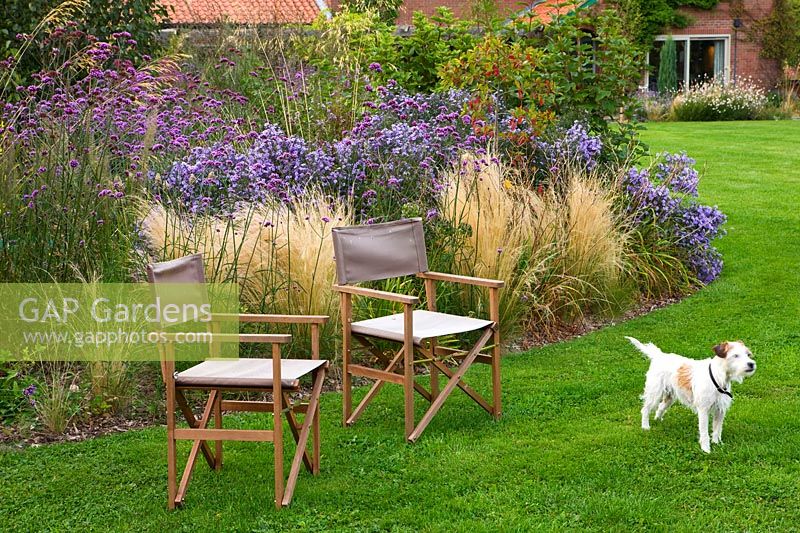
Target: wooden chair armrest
373,293
271,319
230,337
271,338
466,280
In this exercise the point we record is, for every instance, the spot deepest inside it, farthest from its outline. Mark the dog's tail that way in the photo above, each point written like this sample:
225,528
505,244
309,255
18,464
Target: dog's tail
649,349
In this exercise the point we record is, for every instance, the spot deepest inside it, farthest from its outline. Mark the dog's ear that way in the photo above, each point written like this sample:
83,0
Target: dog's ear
721,350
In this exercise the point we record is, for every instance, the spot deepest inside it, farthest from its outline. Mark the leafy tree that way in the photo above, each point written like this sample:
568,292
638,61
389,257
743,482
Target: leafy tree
101,18
667,73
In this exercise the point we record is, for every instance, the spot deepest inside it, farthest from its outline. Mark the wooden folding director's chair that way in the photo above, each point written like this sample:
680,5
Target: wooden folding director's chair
392,249
218,376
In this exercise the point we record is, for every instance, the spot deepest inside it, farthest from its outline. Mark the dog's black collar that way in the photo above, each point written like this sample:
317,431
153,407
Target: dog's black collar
719,389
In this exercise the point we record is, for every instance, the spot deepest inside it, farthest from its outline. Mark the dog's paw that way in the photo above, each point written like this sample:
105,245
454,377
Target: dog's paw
716,440
646,427
706,447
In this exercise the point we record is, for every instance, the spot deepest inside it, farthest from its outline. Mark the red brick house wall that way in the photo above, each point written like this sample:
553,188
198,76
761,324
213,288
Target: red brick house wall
719,20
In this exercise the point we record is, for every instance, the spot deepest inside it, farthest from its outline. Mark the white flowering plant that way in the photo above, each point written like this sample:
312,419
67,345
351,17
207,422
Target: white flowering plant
715,100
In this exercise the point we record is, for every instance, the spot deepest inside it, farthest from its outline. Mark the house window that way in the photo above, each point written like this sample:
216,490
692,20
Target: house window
699,58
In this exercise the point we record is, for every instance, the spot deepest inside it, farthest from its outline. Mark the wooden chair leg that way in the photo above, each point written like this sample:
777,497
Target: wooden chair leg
494,312
302,441
408,369
450,386
218,425
172,465
496,396
347,399
277,431
316,443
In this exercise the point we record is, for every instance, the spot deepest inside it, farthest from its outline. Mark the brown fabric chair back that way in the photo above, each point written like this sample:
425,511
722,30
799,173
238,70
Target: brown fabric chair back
379,251
188,270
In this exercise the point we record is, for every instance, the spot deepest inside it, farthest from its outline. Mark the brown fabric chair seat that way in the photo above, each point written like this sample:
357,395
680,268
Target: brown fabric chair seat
427,325
256,373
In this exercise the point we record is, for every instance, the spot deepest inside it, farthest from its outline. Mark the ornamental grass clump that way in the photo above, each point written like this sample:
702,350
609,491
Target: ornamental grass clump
668,235
560,249
580,242
491,235
594,239
281,255
742,99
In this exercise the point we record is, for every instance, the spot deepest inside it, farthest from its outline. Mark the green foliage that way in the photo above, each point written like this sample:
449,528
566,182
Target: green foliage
653,266
348,41
564,71
341,51
644,19
58,398
100,18
70,233
433,42
508,70
593,75
386,9
779,33
352,41
667,68
486,13
714,100
13,382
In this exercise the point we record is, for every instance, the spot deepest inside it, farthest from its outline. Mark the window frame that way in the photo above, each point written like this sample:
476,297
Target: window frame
688,38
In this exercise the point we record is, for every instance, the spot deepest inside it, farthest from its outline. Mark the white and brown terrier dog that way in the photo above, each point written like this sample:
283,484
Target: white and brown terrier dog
702,386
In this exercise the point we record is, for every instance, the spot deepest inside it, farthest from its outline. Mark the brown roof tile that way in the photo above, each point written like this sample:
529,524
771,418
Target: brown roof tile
242,11
545,11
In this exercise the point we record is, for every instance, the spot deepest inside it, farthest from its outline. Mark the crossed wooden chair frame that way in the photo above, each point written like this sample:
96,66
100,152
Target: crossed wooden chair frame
432,354
282,404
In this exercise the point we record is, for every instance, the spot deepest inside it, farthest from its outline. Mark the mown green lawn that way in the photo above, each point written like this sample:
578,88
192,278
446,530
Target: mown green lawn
568,452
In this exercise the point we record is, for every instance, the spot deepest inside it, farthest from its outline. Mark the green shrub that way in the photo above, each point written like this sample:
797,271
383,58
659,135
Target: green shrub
593,75
563,74
354,41
386,9
433,42
510,71
715,100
